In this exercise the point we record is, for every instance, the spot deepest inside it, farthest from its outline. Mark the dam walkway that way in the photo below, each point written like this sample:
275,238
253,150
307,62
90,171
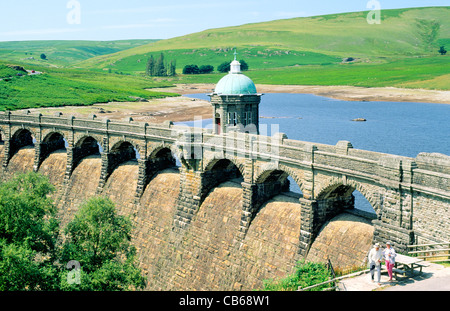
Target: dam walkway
435,277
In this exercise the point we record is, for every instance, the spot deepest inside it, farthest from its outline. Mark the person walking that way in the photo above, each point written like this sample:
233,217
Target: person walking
374,259
389,257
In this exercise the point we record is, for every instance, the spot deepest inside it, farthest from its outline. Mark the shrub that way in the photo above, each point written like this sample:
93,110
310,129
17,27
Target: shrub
224,67
191,70
206,69
306,274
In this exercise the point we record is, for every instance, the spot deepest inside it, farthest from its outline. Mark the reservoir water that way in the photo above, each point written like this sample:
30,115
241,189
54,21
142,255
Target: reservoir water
401,128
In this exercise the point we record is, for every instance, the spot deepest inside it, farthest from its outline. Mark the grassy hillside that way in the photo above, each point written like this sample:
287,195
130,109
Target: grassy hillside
400,52
72,87
428,73
320,40
62,53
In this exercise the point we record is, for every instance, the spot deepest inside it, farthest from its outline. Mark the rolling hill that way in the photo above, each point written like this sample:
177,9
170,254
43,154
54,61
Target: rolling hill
319,40
399,52
60,52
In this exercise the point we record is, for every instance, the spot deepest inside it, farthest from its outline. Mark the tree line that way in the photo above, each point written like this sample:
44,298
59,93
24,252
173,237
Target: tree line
204,69
160,67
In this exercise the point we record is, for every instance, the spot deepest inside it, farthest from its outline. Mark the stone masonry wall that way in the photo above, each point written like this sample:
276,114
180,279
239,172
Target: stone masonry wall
345,240
192,234
207,255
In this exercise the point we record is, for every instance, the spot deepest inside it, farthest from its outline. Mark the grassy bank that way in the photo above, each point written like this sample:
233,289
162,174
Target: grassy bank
70,87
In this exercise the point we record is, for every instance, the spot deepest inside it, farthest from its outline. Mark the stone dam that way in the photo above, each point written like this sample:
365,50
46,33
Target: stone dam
224,219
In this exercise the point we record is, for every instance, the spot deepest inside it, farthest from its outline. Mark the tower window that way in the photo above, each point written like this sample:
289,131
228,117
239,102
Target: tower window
248,118
232,118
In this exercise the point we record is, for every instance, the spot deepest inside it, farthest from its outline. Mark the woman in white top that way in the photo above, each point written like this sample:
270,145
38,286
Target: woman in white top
389,257
374,258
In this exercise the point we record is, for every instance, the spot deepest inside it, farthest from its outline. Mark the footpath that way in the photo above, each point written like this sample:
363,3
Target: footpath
435,277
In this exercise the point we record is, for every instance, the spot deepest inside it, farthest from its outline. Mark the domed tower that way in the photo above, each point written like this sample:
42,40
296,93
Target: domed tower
235,103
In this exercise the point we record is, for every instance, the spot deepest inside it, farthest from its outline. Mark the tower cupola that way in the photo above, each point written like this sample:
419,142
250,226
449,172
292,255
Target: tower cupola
235,102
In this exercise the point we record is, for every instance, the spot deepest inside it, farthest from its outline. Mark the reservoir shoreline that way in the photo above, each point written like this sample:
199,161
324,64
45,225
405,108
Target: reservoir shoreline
182,108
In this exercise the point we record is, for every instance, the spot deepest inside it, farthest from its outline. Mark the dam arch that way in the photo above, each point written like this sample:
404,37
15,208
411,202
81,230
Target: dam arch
22,137
165,155
218,171
336,188
52,142
159,159
121,152
270,183
86,146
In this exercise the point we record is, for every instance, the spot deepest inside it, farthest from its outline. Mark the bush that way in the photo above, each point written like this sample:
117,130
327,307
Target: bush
224,67
206,69
244,65
306,274
191,70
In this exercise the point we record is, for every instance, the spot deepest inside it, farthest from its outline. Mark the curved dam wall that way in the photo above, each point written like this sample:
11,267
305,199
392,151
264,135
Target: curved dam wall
208,255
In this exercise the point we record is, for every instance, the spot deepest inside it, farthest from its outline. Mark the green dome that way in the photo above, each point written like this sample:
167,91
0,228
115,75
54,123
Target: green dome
235,84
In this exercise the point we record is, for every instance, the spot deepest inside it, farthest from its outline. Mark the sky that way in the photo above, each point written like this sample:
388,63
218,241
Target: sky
150,19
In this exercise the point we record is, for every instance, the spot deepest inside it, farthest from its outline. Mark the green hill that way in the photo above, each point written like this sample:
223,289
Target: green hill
60,52
399,52
319,40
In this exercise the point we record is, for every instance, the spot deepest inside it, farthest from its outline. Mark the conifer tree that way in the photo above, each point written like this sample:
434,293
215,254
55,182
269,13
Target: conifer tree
161,70
150,70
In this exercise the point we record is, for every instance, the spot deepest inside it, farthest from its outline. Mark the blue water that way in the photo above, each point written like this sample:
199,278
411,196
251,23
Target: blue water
392,127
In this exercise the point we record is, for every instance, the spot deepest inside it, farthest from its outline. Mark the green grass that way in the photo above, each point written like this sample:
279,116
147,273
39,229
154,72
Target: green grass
400,73
62,53
6,72
256,57
430,72
306,274
401,51
63,87
402,33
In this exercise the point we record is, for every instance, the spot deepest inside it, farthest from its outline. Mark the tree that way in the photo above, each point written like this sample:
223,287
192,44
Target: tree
442,50
206,69
150,69
43,56
160,67
224,67
99,240
28,234
34,257
191,69
27,215
172,68
244,65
